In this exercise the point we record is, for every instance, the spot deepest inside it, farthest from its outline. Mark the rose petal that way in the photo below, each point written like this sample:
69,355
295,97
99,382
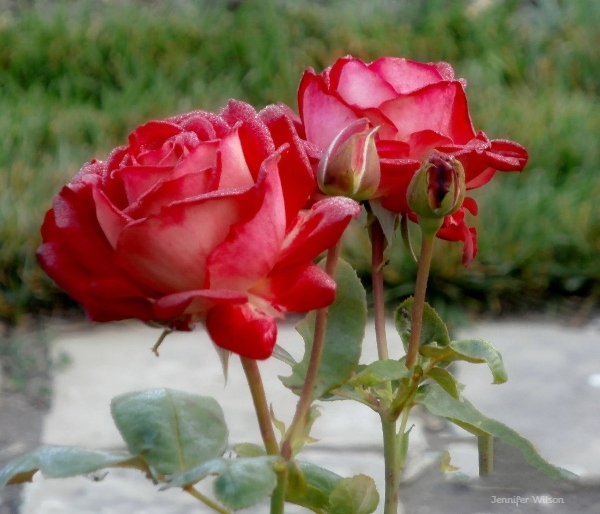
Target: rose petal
168,251
440,107
405,76
322,114
299,288
295,171
258,239
109,217
317,229
243,330
254,135
196,302
358,85
151,135
234,171
169,191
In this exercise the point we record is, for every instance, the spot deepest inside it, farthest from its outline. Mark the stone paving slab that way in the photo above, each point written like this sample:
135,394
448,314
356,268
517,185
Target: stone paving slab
552,397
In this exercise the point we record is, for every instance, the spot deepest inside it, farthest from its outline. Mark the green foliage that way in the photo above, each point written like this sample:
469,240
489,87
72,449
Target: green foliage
462,413
173,431
355,495
346,321
62,462
76,77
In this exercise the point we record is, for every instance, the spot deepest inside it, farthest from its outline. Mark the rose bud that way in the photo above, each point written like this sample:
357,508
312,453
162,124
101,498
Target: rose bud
438,188
350,165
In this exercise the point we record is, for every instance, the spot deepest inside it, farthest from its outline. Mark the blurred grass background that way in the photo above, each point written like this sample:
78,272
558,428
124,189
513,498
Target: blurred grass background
76,77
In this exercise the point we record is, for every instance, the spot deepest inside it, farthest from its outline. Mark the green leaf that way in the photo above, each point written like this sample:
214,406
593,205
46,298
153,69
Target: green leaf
346,321
240,483
245,481
465,415
469,350
317,486
379,372
63,461
355,495
433,329
479,351
173,430
445,379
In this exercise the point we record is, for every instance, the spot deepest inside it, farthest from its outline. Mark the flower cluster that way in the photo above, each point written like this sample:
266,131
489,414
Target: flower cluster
417,108
212,218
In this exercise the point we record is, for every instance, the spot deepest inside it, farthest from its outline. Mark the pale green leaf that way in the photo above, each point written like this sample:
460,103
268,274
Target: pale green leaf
240,483
379,372
433,329
62,462
355,495
316,487
173,430
464,414
445,379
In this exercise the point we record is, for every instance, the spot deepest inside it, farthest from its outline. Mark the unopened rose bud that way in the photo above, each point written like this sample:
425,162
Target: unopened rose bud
350,165
438,188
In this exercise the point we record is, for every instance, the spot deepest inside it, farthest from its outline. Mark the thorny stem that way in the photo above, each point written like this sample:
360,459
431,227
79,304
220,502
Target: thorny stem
207,501
377,248
306,397
419,299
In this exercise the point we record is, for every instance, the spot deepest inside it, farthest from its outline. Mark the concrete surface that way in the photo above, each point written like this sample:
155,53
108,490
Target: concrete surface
552,397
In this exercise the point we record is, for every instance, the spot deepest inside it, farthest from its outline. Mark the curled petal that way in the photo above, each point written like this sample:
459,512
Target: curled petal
242,329
297,288
317,229
195,302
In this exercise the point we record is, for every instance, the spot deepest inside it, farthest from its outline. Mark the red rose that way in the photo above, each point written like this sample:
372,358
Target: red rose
418,108
199,218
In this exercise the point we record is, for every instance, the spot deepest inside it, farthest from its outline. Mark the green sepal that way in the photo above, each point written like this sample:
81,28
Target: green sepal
463,414
174,431
64,461
346,322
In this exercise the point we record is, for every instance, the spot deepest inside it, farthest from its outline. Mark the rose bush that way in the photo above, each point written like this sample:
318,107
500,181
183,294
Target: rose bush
418,107
199,218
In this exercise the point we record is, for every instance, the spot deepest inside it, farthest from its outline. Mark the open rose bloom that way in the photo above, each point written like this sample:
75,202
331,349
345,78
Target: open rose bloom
200,218
417,108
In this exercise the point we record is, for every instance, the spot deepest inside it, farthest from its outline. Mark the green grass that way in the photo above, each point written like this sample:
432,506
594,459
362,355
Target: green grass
76,77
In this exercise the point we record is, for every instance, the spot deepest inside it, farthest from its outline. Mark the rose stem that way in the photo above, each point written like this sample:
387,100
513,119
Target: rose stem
377,247
390,441
485,445
261,405
263,415
306,397
207,501
419,298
